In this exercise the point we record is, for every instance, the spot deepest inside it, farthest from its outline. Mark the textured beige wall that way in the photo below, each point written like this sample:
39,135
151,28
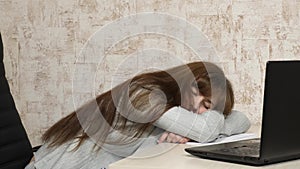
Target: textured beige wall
43,39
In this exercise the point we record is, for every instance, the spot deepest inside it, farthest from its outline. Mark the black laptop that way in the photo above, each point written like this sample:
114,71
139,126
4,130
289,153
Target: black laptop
280,136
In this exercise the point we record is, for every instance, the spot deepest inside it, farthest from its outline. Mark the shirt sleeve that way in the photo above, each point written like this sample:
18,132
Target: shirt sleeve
203,127
235,123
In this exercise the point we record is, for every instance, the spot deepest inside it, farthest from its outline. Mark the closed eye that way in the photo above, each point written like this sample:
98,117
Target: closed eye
206,103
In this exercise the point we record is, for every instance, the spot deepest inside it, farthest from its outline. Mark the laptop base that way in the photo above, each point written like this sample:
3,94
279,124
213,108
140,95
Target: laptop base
214,152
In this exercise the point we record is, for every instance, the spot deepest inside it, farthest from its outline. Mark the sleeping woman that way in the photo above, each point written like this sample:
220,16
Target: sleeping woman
193,101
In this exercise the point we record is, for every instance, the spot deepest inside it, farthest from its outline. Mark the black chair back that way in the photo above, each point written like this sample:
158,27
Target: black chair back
15,148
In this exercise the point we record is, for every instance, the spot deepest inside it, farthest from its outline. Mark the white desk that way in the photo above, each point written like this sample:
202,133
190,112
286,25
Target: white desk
173,156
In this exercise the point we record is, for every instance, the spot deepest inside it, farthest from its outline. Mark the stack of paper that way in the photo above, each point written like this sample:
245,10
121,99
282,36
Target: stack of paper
223,139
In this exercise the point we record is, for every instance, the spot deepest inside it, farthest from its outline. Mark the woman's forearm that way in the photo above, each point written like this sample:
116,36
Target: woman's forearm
199,127
235,123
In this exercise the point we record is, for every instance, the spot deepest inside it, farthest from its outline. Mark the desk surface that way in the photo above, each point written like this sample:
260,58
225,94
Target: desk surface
167,155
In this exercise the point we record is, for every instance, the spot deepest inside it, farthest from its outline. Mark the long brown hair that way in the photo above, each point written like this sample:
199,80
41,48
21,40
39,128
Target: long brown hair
140,101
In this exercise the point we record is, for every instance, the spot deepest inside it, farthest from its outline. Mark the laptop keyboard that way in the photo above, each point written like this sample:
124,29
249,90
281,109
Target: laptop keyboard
242,150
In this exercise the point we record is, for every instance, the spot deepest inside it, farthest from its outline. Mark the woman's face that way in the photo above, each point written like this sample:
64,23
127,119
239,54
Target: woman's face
196,102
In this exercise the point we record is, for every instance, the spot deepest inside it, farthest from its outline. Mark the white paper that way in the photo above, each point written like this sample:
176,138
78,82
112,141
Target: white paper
233,138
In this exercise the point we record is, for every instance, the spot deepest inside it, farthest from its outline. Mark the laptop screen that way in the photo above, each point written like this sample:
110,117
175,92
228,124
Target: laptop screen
281,111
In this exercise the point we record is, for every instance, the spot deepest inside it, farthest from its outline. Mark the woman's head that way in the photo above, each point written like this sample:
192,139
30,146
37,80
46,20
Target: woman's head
196,86
203,86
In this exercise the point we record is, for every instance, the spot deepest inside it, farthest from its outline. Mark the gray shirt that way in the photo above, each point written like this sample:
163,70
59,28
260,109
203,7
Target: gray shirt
204,127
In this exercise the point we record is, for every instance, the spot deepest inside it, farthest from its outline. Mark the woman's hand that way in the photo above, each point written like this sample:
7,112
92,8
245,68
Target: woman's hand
32,159
172,138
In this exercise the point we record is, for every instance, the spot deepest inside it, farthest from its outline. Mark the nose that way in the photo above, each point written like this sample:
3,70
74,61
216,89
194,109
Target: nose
201,109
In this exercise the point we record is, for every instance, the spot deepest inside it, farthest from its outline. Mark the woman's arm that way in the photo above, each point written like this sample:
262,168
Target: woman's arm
203,127
235,123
